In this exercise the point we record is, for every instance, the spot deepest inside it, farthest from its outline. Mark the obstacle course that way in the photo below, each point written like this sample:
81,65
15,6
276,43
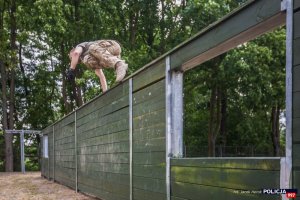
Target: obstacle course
127,143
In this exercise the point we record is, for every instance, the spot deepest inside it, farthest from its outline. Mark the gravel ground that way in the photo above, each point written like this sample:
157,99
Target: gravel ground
17,186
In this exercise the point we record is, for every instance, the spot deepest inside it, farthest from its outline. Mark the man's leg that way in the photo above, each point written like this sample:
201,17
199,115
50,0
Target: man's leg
109,58
102,78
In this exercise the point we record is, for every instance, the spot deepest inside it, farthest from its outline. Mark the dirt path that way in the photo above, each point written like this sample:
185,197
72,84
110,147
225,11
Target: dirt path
17,186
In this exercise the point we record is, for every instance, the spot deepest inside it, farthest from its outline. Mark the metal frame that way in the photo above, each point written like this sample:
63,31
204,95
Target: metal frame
168,93
177,114
22,144
286,162
75,152
130,140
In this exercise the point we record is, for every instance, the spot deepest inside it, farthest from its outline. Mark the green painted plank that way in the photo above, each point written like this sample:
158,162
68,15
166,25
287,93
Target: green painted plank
296,78
47,130
101,122
139,194
149,184
226,178
64,146
296,155
149,158
296,57
110,128
296,4
177,198
102,194
297,24
68,120
110,96
149,119
150,92
296,179
111,158
196,192
296,104
105,117
149,106
153,171
122,179
229,163
150,132
149,75
122,136
152,145
106,185
118,147
296,129
95,168
231,25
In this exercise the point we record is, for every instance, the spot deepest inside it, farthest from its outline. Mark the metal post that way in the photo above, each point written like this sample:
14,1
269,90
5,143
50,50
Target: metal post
53,146
22,151
130,139
76,162
168,127
286,163
177,114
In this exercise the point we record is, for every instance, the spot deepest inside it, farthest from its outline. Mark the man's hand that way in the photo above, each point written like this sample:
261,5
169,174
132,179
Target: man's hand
71,74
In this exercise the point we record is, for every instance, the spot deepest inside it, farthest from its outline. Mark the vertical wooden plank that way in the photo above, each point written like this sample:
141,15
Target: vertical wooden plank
296,50
296,130
296,24
296,4
296,78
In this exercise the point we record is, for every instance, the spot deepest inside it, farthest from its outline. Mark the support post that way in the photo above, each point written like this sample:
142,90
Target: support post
22,152
286,163
168,127
75,152
53,147
130,139
177,114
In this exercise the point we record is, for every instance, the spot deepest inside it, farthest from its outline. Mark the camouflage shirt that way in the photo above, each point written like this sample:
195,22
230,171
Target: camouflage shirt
85,48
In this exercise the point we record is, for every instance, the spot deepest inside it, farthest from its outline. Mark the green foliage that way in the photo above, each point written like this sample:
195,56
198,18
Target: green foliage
253,78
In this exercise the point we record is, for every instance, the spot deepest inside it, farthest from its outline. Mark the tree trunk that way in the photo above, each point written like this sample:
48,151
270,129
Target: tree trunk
133,24
275,134
25,80
7,137
66,105
211,145
223,129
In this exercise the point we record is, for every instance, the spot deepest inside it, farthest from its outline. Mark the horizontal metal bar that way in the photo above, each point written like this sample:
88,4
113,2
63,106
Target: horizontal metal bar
23,131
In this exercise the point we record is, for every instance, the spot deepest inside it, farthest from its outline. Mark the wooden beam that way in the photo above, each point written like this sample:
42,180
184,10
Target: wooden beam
253,19
233,42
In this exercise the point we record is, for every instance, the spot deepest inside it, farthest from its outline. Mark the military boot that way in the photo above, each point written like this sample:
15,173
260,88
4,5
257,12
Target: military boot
121,69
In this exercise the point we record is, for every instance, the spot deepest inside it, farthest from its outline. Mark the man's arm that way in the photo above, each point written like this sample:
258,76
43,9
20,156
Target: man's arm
75,57
102,78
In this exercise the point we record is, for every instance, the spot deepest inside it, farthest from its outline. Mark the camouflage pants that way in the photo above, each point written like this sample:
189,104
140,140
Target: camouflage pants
103,54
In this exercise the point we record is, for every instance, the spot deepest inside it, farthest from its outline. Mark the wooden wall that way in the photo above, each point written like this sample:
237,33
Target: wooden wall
103,145
205,178
90,150
149,144
64,151
45,161
296,97
102,141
